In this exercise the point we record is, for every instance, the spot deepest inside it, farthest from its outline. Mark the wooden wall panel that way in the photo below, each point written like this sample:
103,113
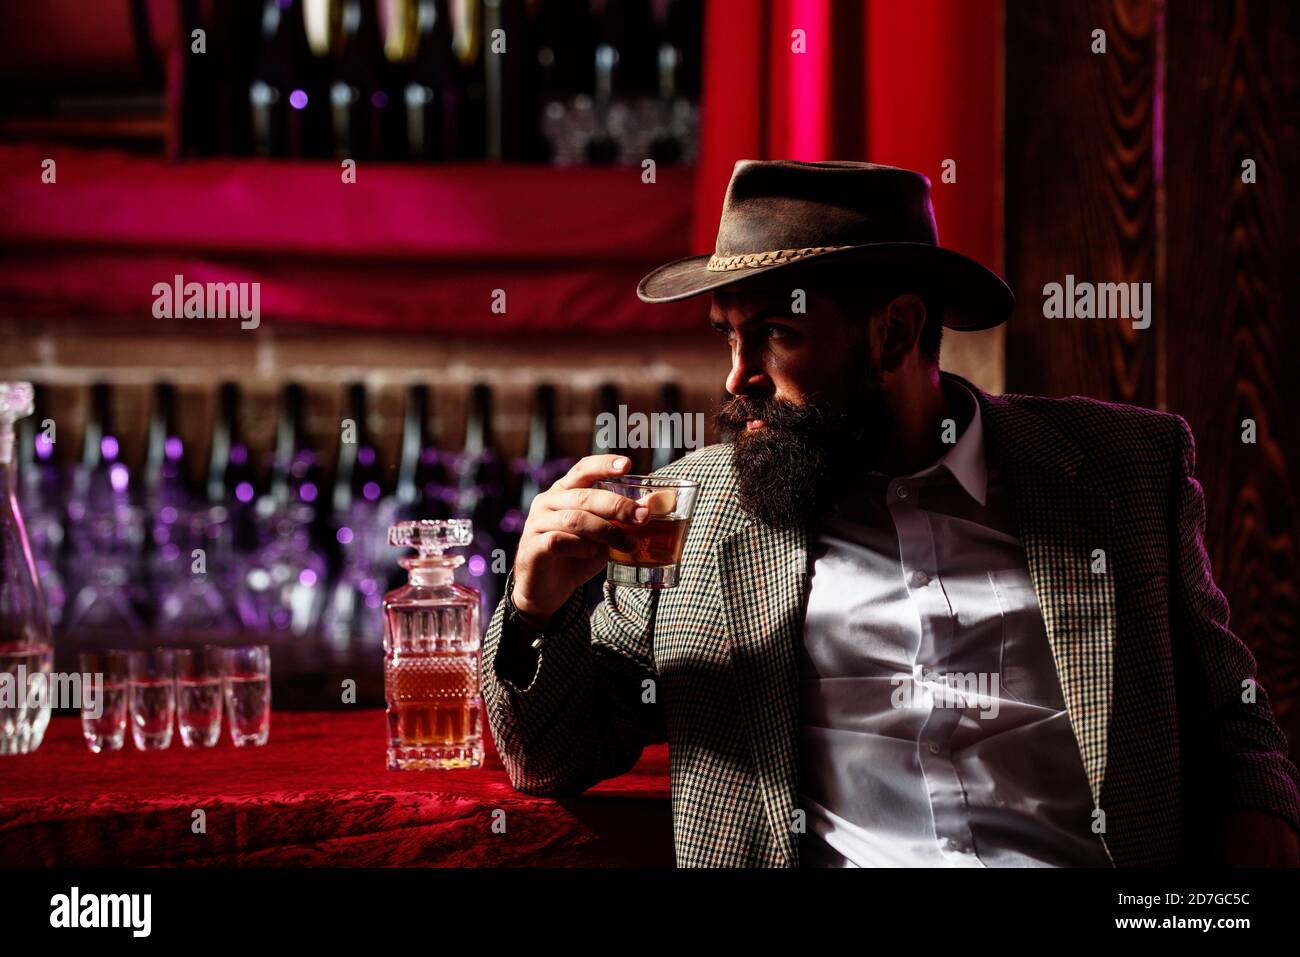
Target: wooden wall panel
1233,257
1080,190
1128,166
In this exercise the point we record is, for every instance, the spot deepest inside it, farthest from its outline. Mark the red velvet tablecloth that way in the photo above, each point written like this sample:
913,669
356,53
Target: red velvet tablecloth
317,794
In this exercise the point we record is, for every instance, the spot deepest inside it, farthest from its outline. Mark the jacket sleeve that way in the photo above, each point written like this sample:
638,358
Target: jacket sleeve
582,708
1247,750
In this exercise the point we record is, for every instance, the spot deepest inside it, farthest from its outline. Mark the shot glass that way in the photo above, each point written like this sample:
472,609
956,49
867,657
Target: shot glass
658,543
246,675
104,680
152,690
198,696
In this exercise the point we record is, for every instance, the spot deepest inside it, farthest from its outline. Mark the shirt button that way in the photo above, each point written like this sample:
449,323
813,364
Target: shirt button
920,579
902,491
934,747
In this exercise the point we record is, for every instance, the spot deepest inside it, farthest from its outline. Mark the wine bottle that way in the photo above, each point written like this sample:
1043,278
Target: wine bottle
295,468
287,95
363,97
604,438
424,488
482,487
230,474
430,92
471,80
357,476
666,447
508,100
166,478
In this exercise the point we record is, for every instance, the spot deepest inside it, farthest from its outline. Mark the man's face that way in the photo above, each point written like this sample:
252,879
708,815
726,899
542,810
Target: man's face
808,412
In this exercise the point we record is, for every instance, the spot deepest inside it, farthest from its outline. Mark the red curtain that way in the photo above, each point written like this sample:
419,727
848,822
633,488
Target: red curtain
902,83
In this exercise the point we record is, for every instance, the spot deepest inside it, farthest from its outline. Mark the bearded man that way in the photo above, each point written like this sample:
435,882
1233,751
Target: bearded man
915,624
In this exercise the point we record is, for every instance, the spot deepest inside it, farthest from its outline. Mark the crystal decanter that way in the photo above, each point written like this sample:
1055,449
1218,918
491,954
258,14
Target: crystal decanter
432,650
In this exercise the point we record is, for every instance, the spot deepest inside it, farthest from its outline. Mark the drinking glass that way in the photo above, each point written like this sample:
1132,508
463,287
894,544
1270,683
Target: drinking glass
198,696
246,673
104,679
658,543
152,689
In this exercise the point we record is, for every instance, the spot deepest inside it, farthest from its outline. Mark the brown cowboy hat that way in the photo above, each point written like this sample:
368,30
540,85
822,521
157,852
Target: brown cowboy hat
781,212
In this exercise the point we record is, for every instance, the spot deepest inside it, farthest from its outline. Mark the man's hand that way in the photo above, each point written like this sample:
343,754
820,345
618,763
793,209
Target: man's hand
566,538
1258,839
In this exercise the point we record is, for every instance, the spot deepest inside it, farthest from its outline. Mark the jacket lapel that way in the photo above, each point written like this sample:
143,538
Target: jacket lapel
1064,524
764,574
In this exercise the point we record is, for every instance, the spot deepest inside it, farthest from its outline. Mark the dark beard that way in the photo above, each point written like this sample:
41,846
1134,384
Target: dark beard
806,458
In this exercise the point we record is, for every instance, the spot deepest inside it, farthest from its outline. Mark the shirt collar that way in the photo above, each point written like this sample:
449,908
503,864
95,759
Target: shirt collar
965,461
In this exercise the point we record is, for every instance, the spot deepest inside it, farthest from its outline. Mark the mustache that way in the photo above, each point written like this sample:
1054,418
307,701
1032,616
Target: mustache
778,415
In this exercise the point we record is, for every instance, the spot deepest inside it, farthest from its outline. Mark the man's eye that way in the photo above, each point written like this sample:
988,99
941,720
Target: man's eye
774,332
724,331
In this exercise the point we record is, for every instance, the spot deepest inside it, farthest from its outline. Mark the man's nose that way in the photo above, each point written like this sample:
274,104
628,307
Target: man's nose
747,375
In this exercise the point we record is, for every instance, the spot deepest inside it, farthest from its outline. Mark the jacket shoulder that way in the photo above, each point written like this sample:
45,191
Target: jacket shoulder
709,462
1111,432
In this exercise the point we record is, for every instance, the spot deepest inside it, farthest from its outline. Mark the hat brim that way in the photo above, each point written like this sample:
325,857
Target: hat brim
974,297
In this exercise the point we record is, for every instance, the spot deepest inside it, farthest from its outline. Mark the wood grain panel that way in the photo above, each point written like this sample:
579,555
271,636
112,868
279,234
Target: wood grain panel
1234,288
1081,191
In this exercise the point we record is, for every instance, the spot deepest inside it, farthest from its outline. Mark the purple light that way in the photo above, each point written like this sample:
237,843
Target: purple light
170,552
369,586
173,448
344,535
512,521
366,455
429,456
307,577
168,514
477,565
244,492
307,492
44,447
379,99
118,477
373,600
108,447
371,491
238,454
298,99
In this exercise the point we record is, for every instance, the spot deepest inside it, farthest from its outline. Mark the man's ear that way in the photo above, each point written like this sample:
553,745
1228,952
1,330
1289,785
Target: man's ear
901,322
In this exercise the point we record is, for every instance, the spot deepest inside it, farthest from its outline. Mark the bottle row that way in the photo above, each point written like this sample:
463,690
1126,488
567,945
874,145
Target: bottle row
550,81
299,550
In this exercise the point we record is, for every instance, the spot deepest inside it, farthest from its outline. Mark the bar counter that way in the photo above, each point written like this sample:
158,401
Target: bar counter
317,794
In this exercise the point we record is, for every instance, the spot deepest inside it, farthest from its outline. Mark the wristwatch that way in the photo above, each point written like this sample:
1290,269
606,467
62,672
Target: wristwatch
527,626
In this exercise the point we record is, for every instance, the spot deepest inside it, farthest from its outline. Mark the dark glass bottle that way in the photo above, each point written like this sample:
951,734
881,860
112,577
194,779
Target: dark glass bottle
471,79
166,476
666,448
482,490
430,92
424,486
367,117
358,475
295,468
287,95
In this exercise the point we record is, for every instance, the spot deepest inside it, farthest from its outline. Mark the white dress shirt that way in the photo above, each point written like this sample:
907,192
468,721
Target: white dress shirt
933,730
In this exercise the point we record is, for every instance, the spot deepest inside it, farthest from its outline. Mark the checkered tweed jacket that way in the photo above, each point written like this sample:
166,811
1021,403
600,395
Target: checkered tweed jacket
1152,675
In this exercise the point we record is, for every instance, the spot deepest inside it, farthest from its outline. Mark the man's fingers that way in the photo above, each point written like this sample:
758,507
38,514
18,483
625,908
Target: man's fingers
598,501
591,469
571,546
584,524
